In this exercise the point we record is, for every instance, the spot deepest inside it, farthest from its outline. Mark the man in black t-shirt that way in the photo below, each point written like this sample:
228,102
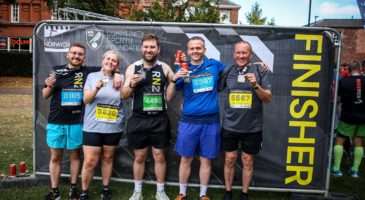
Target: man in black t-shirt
351,94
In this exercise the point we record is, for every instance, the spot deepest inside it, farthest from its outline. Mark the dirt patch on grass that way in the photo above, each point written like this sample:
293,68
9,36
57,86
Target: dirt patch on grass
15,82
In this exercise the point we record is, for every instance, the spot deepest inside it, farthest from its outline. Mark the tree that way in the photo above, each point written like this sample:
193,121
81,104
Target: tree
255,16
271,22
179,11
105,7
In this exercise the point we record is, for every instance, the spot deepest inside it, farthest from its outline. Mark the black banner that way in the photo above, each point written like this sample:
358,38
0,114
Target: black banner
296,122
361,4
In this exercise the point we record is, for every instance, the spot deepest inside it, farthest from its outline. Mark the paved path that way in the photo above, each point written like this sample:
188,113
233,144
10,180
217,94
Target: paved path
16,91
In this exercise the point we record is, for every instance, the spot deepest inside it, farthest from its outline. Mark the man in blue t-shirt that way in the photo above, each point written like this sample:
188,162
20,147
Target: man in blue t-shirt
199,128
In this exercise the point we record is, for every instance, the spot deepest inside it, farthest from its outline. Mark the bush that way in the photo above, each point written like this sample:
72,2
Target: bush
15,64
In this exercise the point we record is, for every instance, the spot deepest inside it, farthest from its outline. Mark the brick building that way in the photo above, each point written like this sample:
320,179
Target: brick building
353,37
18,21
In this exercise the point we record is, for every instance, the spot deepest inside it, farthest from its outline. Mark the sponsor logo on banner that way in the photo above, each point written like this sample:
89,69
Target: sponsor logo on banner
94,38
52,43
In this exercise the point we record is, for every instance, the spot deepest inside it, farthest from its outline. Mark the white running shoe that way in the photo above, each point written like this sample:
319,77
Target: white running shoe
162,195
136,196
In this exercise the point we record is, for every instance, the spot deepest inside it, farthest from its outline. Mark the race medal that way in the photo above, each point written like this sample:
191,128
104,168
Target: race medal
202,82
187,79
71,97
106,113
241,78
152,102
240,99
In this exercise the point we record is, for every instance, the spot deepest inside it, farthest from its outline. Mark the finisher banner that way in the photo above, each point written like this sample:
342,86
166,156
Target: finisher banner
296,123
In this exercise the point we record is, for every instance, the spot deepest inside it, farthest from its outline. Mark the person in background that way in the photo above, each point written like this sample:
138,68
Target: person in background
351,92
103,123
64,129
149,125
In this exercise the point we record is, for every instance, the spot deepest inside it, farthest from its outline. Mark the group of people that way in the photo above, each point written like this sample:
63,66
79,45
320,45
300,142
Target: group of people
351,124
151,83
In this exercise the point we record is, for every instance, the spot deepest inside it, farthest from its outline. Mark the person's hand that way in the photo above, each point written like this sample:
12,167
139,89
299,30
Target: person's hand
264,65
117,81
136,78
180,74
251,78
99,84
50,81
183,57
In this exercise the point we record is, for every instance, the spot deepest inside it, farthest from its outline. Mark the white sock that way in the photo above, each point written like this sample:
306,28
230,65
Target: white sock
203,190
137,186
160,187
183,187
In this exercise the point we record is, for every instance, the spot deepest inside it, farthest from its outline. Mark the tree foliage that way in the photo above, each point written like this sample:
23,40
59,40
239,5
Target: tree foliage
179,11
255,16
106,7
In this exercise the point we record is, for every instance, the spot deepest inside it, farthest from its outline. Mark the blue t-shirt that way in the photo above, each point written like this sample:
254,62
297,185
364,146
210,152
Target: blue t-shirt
201,92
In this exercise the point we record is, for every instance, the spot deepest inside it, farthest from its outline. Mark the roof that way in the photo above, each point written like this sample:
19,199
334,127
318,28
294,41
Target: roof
227,4
339,23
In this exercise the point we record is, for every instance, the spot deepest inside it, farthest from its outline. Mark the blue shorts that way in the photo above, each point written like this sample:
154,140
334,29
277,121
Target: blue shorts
202,139
64,136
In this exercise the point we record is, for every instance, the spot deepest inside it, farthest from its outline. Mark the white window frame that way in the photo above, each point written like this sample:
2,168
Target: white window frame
15,13
222,14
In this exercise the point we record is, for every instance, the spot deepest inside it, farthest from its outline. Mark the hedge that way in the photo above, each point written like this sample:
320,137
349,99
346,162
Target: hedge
15,64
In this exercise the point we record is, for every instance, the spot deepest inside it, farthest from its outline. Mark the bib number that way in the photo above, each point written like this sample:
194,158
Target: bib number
240,99
152,102
106,113
71,97
202,83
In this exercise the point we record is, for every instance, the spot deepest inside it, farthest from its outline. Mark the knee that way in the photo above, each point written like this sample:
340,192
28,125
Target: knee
229,160
140,159
74,155
89,164
247,162
56,158
107,159
159,157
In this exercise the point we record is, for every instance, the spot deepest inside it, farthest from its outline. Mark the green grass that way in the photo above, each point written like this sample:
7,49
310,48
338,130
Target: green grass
16,146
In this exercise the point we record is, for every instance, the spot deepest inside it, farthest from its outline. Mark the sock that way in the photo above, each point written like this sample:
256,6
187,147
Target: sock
244,194
203,190
337,154
73,185
86,192
160,187
137,186
55,190
105,187
183,187
358,153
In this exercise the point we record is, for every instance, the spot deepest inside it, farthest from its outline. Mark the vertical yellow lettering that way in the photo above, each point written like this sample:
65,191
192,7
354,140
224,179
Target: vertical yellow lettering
300,151
308,171
302,125
308,39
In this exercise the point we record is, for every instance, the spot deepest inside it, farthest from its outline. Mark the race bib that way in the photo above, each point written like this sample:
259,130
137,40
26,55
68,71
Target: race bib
202,82
240,99
152,102
106,113
71,97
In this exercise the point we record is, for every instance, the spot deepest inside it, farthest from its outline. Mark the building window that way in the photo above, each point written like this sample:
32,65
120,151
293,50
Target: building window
15,13
225,16
16,44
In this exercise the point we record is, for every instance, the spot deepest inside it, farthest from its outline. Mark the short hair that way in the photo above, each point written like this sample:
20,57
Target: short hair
354,65
243,42
151,36
197,38
112,52
77,45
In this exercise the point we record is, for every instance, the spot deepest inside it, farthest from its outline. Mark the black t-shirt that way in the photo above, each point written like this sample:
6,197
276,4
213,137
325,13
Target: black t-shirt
149,94
66,103
352,93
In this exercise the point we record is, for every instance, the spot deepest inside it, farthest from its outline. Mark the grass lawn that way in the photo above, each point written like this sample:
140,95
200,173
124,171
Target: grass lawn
16,146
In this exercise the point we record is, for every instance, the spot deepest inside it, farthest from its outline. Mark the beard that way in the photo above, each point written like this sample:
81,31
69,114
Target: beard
149,59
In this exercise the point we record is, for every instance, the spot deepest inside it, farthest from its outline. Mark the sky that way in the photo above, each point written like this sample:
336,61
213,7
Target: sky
296,12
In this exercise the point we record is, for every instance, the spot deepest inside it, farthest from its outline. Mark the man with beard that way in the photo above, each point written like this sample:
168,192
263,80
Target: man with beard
246,87
64,128
149,125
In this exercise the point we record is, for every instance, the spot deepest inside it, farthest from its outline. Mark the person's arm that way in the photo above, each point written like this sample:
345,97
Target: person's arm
89,95
171,89
48,87
131,81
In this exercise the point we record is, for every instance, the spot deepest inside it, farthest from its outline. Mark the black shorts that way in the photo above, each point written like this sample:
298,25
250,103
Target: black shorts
148,130
251,143
101,139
